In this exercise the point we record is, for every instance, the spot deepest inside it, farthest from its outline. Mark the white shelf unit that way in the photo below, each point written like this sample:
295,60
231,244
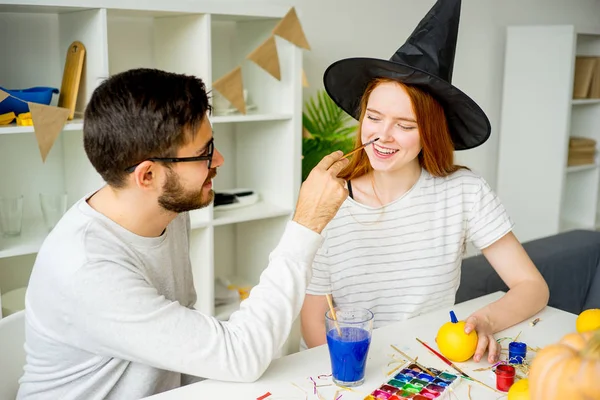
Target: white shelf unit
542,193
262,149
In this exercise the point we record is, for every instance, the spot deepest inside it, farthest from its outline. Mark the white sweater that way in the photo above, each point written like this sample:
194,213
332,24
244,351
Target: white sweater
109,314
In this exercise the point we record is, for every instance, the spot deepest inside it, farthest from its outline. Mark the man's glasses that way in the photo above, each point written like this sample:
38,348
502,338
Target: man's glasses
210,148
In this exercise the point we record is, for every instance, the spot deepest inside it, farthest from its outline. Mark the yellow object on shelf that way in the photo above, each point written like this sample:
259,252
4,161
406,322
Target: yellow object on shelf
24,122
7,118
24,119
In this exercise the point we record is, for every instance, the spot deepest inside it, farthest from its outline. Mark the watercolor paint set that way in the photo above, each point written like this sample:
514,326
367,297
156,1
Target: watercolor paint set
416,383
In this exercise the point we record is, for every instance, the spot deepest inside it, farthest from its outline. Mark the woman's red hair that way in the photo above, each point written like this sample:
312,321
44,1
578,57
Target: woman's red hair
437,155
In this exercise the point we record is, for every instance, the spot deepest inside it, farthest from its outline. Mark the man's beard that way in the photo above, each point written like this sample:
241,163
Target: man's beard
175,198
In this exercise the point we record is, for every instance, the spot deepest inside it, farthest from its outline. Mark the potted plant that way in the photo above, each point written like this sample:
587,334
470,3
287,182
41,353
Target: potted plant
326,128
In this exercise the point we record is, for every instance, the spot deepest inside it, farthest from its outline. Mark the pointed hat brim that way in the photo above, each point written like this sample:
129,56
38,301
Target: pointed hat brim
346,80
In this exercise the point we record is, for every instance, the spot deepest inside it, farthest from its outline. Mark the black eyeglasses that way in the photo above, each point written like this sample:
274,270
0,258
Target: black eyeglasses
210,148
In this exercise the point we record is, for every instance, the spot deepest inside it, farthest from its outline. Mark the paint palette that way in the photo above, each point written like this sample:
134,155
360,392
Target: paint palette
413,382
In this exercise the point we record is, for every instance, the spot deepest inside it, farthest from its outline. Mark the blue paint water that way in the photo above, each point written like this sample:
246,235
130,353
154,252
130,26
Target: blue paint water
348,353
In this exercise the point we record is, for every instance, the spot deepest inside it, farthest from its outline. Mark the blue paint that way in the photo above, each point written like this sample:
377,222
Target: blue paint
403,378
425,377
441,382
517,352
348,353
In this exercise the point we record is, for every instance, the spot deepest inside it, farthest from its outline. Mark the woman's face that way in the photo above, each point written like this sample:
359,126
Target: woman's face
390,117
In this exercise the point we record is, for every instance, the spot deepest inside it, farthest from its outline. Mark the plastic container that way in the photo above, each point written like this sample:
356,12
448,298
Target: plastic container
517,352
505,377
38,94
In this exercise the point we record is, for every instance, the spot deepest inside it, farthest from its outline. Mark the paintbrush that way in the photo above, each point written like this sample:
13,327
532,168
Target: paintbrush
451,364
333,315
361,147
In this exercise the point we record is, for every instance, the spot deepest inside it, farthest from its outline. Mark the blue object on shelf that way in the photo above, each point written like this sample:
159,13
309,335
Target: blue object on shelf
38,94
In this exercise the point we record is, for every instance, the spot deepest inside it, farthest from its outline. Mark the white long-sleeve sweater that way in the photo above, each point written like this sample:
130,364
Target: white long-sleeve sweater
109,314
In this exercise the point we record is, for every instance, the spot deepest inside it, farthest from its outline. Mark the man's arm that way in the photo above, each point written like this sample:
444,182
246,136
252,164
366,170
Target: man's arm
124,317
117,313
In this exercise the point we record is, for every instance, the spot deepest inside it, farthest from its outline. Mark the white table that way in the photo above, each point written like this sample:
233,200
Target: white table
297,368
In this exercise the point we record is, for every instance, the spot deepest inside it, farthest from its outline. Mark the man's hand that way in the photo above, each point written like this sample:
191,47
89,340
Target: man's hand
322,193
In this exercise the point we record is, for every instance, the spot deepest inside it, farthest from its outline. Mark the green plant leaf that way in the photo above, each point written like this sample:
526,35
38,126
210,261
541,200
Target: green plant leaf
331,129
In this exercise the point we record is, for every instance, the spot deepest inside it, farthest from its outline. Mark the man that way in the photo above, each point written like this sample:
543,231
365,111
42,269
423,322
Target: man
109,306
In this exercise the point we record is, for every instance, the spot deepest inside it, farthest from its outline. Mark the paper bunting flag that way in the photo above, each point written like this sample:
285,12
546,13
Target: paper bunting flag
267,57
3,96
231,86
304,80
48,122
290,29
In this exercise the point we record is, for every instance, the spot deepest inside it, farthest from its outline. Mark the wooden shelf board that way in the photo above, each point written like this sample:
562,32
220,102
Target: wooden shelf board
260,210
74,125
221,119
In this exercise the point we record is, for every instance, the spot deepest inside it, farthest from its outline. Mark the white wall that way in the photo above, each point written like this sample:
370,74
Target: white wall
376,28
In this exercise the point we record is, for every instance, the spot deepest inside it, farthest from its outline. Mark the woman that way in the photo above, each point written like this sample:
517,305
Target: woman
397,242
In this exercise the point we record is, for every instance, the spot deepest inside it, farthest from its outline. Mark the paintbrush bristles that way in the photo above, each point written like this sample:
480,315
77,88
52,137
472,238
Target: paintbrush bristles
360,148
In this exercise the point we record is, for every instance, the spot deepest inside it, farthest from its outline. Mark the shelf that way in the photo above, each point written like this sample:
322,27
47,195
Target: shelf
74,125
579,102
260,210
221,119
238,11
30,241
577,168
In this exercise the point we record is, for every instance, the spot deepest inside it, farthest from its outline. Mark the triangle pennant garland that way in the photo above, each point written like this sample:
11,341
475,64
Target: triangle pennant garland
231,86
267,57
48,122
3,95
289,28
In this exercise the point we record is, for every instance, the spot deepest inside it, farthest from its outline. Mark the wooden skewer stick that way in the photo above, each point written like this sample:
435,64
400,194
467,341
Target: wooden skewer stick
413,360
333,315
451,364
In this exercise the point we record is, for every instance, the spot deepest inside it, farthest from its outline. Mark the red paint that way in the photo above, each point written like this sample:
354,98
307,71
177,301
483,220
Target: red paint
264,396
505,377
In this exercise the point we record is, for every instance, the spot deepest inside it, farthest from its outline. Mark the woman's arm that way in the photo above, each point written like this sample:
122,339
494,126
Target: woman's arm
528,293
312,318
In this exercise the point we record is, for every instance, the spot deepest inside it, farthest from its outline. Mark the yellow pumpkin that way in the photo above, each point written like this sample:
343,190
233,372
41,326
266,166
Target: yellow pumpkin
588,320
519,390
454,343
569,369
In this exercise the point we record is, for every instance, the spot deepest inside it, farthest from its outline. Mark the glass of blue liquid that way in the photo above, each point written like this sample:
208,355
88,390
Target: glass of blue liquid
348,340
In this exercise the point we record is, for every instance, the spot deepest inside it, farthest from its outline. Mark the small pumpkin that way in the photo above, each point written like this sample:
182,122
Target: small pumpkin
453,342
569,369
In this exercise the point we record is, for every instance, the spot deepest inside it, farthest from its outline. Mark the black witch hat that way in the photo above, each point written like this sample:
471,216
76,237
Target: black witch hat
426,61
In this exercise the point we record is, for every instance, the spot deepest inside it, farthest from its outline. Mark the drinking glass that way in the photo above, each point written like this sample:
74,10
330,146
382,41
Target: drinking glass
53,208
11,215
348,351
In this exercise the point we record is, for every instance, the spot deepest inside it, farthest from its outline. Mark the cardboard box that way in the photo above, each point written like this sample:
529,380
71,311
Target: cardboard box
595,85
585,69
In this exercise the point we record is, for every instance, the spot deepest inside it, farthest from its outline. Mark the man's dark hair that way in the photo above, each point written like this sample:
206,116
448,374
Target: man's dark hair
138,114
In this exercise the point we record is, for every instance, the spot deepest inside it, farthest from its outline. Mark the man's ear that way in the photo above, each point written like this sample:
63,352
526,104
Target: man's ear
145,175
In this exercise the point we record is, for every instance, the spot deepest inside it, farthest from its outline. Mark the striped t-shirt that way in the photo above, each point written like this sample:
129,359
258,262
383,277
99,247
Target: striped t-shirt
403,259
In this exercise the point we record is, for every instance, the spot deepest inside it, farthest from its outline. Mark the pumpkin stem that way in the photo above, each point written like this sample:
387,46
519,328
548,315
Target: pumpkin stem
592,348
453,317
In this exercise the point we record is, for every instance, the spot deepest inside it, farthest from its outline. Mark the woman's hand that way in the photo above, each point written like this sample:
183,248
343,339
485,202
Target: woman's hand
485,341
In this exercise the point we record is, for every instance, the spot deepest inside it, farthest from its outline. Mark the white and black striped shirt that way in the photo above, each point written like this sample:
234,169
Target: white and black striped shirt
404,259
